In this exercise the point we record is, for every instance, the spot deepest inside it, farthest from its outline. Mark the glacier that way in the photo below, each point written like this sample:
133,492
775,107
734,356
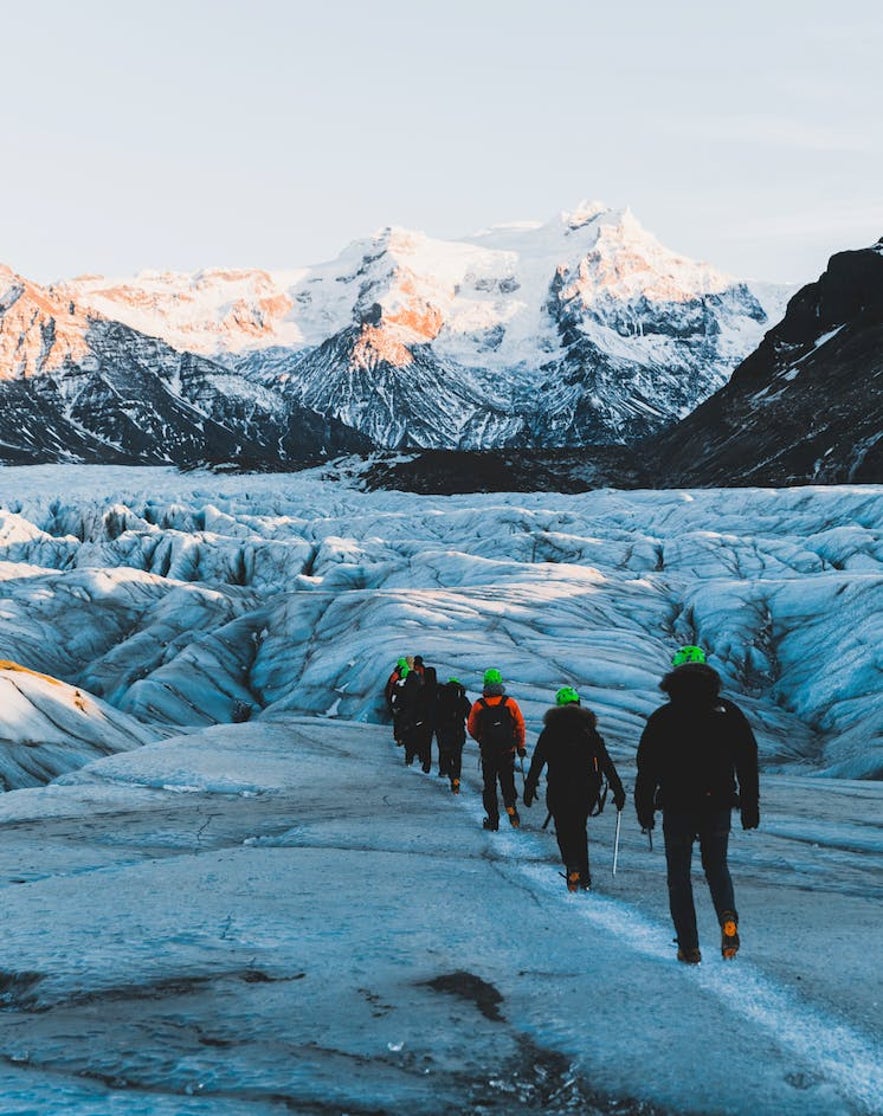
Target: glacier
204,916
173,597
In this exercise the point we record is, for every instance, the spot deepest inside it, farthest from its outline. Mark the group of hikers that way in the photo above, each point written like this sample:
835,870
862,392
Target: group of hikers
696,762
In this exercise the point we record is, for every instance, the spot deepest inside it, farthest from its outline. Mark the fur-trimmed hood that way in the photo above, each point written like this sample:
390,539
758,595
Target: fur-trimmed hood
692,683
564,716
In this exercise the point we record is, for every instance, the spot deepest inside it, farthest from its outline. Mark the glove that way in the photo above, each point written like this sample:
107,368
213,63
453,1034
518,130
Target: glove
750,817
619,800
646,822
528,797
522,752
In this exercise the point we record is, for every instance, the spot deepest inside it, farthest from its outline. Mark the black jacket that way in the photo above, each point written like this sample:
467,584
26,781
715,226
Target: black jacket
576,756
452,707
407,699
697,753
426,698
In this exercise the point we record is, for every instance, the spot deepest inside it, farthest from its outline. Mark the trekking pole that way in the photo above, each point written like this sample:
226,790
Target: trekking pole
548,819
616,840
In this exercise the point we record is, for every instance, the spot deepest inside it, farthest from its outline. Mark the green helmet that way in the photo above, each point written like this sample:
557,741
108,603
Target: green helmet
402,662
567,695
455,681
492,677
688,654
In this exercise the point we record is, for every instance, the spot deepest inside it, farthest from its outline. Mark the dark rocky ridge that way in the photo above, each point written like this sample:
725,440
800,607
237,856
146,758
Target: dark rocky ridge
445,472
807,405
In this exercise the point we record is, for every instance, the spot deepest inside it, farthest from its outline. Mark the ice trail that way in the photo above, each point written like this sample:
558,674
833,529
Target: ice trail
823,1043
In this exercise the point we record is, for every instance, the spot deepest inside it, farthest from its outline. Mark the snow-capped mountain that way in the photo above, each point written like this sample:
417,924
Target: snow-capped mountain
78,386
808,404
210,312
583,329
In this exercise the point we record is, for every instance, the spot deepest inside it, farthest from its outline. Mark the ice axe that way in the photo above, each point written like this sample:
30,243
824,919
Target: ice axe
616,840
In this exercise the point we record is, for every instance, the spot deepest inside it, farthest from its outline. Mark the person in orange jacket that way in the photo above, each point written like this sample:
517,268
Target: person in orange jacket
497,723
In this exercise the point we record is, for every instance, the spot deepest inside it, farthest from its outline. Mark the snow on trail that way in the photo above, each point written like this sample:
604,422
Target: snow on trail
825,1046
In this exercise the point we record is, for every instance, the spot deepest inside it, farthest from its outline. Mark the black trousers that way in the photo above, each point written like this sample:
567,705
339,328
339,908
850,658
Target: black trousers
418,742
497,767
712,829
572,836
450,753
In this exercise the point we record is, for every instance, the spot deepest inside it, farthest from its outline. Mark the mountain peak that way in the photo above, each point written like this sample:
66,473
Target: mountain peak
584,214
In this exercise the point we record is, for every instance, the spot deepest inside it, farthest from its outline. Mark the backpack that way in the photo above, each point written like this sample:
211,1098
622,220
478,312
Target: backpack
449,705
496,726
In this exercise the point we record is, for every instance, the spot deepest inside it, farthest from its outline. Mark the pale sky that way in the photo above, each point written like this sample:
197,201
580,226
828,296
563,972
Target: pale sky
265,133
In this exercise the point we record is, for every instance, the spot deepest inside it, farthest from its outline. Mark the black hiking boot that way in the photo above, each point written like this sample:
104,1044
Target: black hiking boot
491,823
729,935
690,955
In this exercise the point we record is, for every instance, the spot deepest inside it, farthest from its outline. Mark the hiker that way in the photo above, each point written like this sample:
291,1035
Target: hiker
578,763
496,722
693,753
405,701
424,724
393,680
452,707
389,693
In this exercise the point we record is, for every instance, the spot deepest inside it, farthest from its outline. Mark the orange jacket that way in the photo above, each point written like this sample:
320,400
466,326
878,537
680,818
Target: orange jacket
475,719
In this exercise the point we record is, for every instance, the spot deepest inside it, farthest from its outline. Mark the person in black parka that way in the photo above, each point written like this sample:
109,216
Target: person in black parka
577,758
452,707
697,759
425,717
406,700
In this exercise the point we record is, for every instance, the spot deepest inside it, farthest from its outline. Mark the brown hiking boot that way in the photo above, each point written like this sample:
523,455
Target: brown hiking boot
690,956
729,936
573,881
455,786
514,819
